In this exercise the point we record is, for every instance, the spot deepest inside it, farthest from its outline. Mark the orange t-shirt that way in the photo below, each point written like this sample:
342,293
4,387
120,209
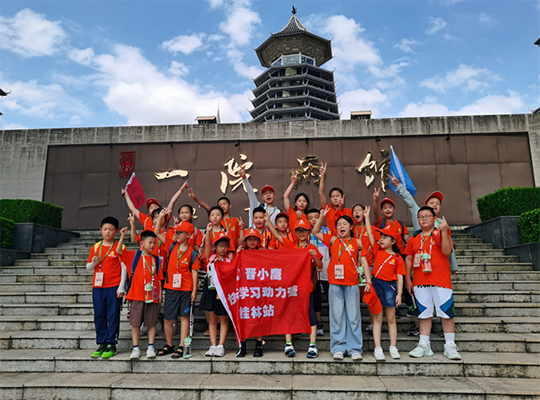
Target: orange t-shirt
148,223
293,217
367,250
276,244
109,264
179,261
333,215
232,230
142,274
402,229
440,274
213,236
266,238
340,256
387,266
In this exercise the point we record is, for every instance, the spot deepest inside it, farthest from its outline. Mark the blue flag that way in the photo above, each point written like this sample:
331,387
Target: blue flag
397,168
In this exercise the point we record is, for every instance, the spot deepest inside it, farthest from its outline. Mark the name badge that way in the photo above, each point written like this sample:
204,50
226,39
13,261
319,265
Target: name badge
148,293
339,271
177,281
161,261
98,281
417,260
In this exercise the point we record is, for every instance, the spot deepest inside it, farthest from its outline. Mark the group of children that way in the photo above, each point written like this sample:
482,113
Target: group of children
349,257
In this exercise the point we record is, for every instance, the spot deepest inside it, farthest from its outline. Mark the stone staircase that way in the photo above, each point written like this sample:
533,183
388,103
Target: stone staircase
47,336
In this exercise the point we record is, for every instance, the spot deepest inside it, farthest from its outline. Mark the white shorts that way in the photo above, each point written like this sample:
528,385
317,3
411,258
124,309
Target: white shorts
428,297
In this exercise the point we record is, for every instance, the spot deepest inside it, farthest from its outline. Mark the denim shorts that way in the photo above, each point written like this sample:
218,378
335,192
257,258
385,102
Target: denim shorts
386,292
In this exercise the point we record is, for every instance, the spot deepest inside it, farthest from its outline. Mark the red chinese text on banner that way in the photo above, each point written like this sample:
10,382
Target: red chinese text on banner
127,164
135,191
266,292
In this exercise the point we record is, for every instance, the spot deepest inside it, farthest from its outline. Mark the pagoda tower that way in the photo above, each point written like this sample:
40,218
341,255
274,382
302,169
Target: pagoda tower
294,86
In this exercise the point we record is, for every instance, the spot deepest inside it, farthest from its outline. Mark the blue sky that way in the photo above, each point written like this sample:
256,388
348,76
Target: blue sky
102,63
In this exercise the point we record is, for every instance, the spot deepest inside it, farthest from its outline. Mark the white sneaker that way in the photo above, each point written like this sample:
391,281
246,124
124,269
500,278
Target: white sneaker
135,354
211,351
421,351
451,351
379,354
151,353
394,353
338,355
356,356
220,351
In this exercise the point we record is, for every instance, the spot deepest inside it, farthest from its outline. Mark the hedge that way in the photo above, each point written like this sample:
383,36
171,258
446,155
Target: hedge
22,211
508,201
529,226
6,233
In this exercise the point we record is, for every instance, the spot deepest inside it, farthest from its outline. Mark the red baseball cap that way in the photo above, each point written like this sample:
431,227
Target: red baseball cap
222,235
389,230
150,201
252,232
267,187
435,194
302,223
387,200
185,226
282,214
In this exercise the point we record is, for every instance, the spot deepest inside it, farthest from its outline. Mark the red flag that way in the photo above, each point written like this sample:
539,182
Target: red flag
266,292
135,191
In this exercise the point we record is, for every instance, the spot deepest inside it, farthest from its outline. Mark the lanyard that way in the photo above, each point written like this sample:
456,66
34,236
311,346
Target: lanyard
315,239
103,259
159,248
382,265
303,247
268,209
424,241
179,257
341,248
227,226
361,233
152,271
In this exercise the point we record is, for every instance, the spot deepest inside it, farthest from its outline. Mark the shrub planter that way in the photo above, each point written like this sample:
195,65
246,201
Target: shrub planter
33,238
502,231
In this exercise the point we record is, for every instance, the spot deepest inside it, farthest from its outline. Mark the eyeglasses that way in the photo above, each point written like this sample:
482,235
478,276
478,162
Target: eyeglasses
425,217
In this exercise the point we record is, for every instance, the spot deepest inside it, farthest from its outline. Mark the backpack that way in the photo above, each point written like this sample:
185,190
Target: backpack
194,255
383,224
134,266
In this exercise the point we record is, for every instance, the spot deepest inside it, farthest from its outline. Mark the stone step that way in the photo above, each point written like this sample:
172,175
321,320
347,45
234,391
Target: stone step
473,364
133,385
483,286
461,252
43,270
466,276
85,322
45,287
492,267
486,259
59,256
26,278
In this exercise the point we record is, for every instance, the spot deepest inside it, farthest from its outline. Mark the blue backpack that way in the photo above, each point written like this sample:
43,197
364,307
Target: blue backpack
134,266
166,270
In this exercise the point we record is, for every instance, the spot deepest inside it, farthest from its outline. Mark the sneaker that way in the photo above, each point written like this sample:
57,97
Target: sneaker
258,351
338,355
312,352
135,354
99,351
110,351
413,329
320,329
151,353
211,351
220,351
379,354
356,356
451,351
394,353
420,351
242,351
289,350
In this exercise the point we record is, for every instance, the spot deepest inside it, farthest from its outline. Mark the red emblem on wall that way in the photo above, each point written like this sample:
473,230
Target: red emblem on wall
127,163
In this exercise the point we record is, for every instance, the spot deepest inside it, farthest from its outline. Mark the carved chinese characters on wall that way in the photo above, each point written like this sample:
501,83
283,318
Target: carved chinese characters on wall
233,170
309,168
372,168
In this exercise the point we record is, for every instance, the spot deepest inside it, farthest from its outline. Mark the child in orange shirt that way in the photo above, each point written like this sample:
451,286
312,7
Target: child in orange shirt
388,209
107,288
144,290
388,268
301,202
180,286
344,292
337,198
281,229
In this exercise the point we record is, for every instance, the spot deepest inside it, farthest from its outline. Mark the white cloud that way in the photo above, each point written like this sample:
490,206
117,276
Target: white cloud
405,45
12,126
491,104
215,3
184,44
469,77
240,23
136,90
49,102
30,34
487,20
361,100
178,69
435,25
83,57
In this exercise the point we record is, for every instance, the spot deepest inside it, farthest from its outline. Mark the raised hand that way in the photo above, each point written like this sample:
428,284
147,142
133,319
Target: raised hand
241,224
395,181
366,211
123,191
443,226
131,219
191,194
209,227
176,221
184,186
322,170
95,259
324,211
376,194
123,231
294,177
242,172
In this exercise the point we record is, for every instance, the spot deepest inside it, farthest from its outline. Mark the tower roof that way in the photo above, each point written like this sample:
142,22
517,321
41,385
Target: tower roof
292,39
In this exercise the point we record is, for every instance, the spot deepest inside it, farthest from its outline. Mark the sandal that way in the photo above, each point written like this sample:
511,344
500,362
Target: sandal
178,353
165,350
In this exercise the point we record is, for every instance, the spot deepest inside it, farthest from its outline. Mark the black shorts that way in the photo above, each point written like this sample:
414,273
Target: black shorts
312,318
210,302
177,303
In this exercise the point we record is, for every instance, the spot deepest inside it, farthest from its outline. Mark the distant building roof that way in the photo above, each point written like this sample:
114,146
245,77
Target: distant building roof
207,120
293,26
